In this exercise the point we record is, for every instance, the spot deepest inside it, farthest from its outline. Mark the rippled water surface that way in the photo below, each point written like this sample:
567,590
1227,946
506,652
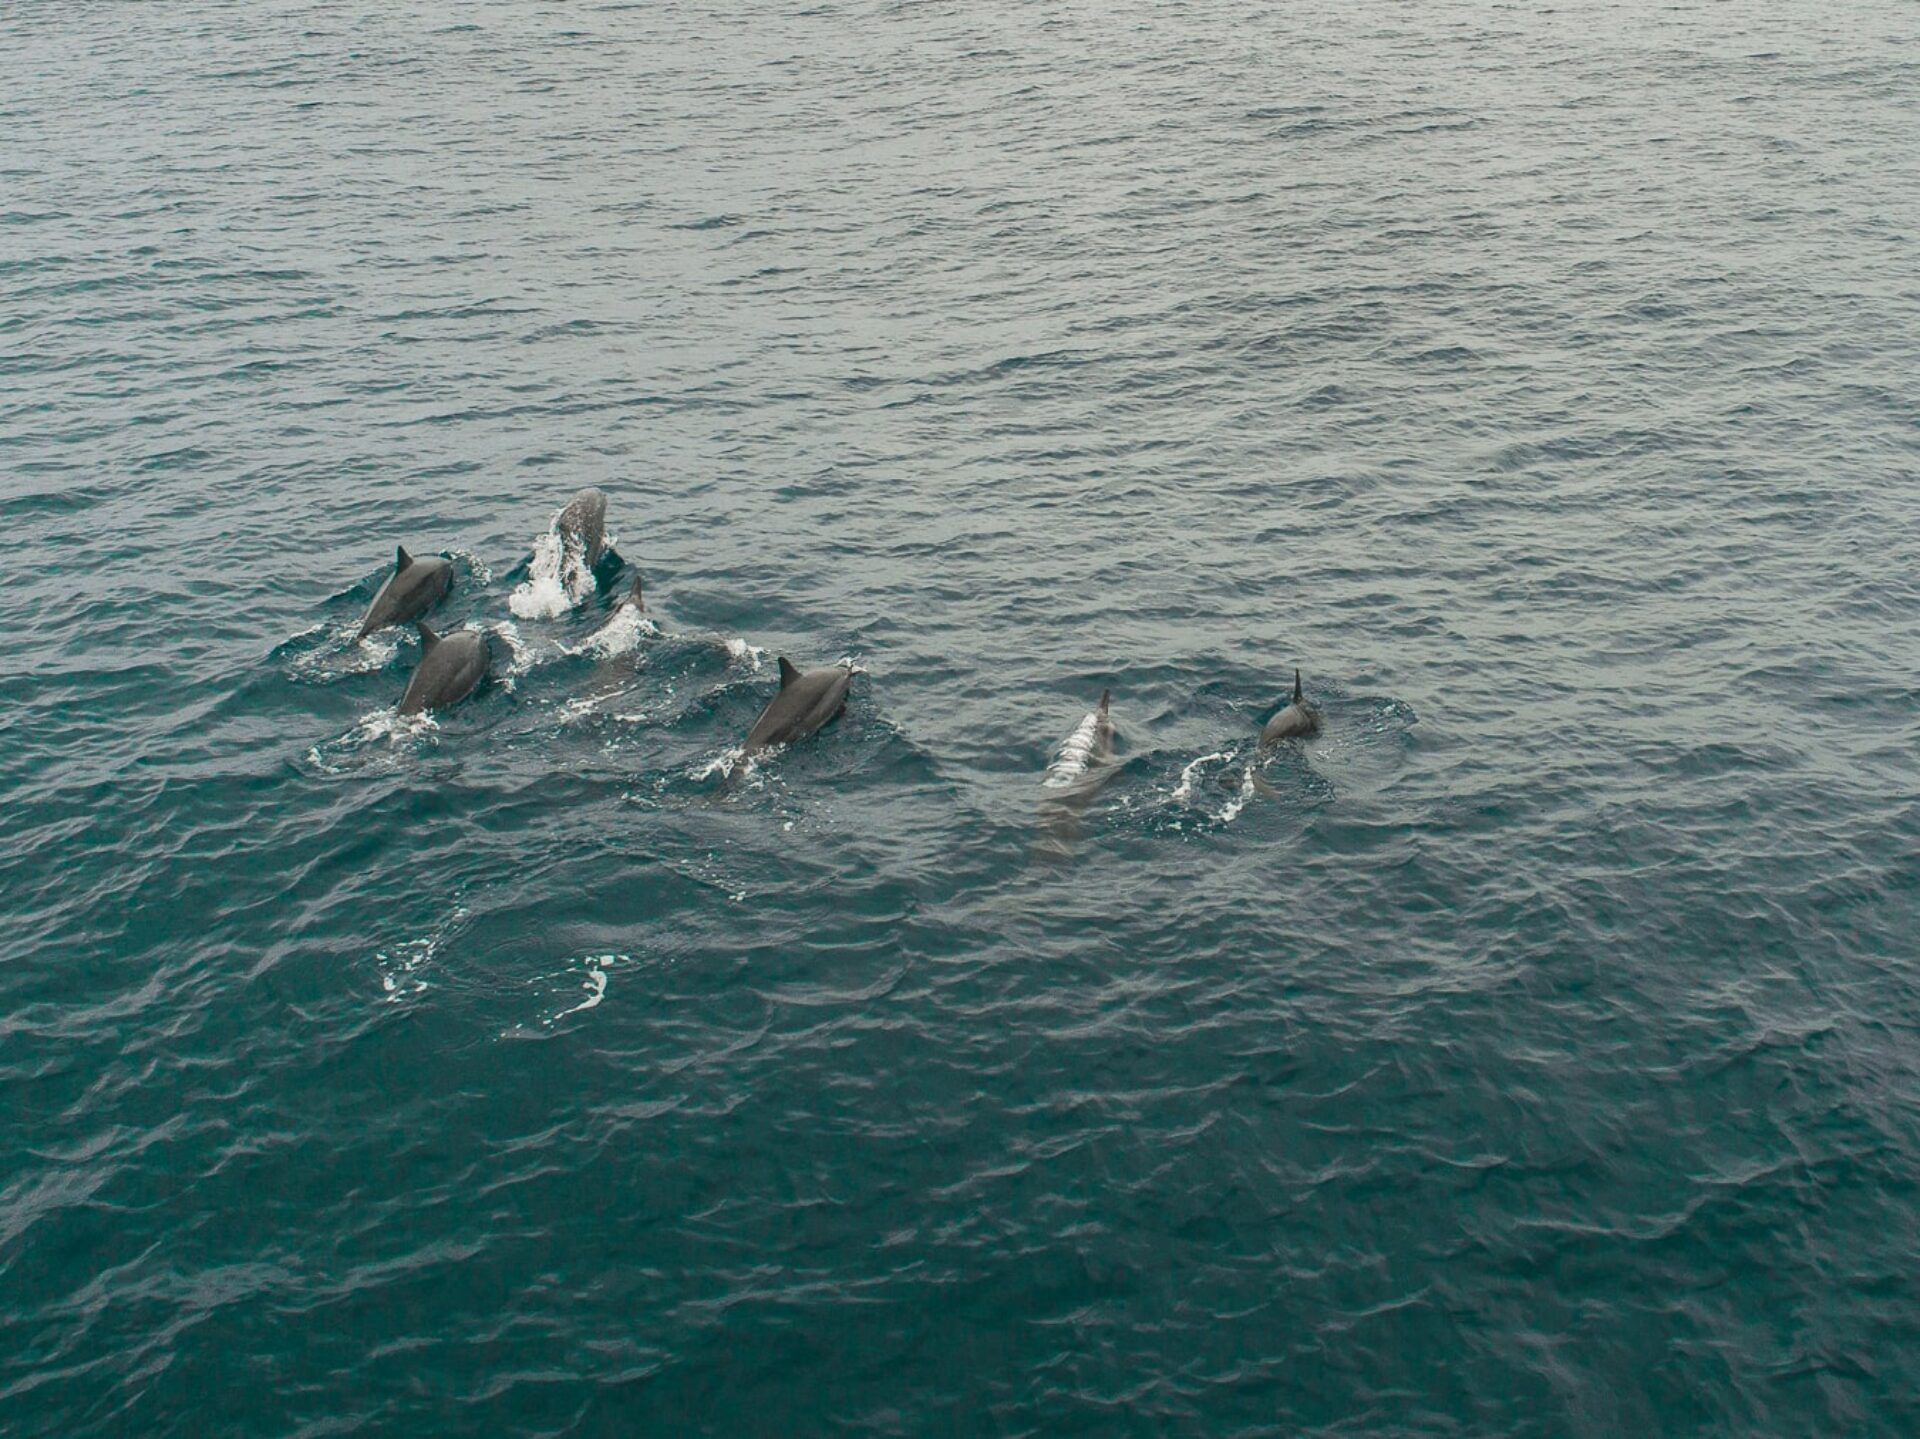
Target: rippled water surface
1533,1052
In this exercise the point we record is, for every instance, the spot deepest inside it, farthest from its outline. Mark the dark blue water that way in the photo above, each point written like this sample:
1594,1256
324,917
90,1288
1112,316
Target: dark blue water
1534,1052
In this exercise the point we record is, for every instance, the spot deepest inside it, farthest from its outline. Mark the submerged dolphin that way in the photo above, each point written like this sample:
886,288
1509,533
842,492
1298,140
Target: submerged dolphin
450,666
414,587
1298,719
805,702
1080,769
633,599
582,525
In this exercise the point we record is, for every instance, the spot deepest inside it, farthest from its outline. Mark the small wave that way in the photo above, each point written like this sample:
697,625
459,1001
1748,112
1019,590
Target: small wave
323,653
521,656
618,636
581,706
724,764
740,652
477,569
399,967
379,734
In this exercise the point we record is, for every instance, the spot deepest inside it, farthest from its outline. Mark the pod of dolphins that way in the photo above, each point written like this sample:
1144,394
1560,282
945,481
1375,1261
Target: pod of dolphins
452,665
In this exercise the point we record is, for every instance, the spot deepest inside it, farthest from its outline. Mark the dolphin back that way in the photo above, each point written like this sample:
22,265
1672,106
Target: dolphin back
1297,720
585,517
414,587
805,702
451,667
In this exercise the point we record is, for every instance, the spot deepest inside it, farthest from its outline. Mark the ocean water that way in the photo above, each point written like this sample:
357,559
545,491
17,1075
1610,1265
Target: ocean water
1534,1052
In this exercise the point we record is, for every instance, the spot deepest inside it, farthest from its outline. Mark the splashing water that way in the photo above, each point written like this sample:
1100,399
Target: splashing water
618,636
558,578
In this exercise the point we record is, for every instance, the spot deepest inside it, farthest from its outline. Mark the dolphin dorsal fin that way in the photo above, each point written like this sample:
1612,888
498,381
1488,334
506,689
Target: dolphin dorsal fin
428,639
788,674
639,600
1106,699
1296,687
401,559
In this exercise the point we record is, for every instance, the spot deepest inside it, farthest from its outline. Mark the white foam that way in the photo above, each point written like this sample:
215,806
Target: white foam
595,984
331,652
1183,791
558,578
521,656
724,764
739,650
581,706
399,965
620,635
1230,811
478,568
382,725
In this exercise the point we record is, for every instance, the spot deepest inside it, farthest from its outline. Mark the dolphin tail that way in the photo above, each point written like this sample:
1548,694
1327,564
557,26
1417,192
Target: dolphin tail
1297,696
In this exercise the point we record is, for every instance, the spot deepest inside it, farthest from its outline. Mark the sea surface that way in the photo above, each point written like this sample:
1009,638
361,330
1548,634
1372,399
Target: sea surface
1536,1051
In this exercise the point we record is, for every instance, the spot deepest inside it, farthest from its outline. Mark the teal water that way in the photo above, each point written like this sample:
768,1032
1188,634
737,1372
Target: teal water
1537,1057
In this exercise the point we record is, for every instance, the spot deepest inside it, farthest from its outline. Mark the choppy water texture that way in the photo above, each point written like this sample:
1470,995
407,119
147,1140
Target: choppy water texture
1532,1053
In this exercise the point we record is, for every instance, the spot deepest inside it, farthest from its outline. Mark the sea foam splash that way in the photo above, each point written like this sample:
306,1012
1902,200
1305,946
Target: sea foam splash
1183,791
620,635
558,578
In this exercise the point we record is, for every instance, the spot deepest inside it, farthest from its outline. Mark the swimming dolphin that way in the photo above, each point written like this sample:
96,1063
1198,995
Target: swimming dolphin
1080,769
414,587
582,525
450,666
805,702
560,574
1298,719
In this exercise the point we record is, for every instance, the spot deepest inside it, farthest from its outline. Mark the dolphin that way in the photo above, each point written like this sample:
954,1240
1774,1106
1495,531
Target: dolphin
414,587
450,666
560,574
582,525
805,702
1081,768
1298,719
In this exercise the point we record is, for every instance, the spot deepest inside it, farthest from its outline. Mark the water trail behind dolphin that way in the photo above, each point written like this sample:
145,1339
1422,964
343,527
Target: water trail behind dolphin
621,635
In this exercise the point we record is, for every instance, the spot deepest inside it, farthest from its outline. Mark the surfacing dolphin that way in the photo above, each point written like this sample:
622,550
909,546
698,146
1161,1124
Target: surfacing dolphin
1298,720
1081,768
805,702
450,666
414,587
582,525
560,574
